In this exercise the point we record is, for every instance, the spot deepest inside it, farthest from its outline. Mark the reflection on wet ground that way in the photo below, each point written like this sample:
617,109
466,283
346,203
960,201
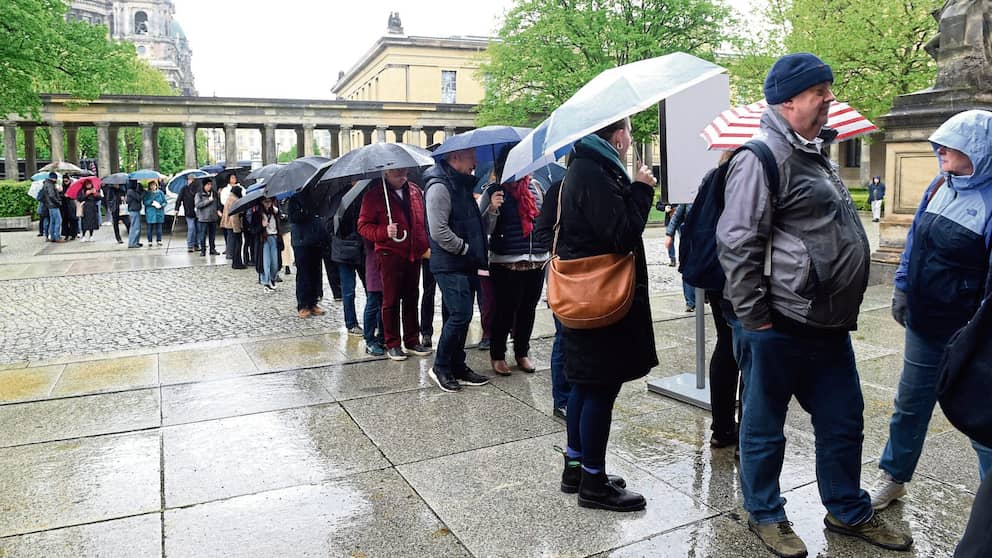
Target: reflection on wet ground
302,447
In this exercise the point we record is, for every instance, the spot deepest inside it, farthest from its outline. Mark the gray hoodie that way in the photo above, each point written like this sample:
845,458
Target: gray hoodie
820,255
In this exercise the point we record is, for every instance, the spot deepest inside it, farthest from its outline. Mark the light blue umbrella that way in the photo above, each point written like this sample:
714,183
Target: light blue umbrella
146,174
179,180
614,94
40,176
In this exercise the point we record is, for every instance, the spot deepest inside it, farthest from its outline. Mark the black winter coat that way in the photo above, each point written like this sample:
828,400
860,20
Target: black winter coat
603,213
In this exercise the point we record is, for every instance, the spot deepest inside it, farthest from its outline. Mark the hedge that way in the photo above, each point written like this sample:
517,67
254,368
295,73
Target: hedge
15,201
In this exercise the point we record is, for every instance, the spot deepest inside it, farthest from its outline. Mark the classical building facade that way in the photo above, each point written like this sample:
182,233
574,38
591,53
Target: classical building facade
150,25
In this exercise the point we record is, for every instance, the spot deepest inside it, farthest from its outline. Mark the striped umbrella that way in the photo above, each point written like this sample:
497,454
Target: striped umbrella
733,127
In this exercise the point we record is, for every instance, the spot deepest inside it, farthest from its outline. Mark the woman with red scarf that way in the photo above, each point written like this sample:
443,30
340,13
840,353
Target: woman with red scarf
516,262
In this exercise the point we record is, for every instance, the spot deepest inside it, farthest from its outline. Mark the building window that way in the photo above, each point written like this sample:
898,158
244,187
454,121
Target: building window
448,84
140,23
852,152
141,50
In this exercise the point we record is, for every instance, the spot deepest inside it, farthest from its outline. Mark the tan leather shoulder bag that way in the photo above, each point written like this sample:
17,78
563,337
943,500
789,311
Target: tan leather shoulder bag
591,292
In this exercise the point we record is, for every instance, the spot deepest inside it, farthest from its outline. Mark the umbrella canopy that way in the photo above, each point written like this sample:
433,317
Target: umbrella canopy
372,160
146,174
35,190
179,180
76,187
614,94
293,177
119,178
487,141
41,176
212,169
247,200
262,174
734,127
63,167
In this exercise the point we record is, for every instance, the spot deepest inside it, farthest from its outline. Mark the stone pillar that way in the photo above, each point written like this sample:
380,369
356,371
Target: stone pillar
366,135
335,142
10,151
30,151
380,134
307,140
103,148
147,145
269,144
57,140
155,159
448,132
430,132
400,133
72,144
189,144
416,136
345,138
299,142
115,149
230,145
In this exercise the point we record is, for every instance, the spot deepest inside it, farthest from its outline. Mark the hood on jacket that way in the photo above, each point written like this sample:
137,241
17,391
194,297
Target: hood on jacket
969,132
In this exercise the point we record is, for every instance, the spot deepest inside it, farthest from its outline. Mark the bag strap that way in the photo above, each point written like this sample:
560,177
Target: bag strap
554,244
346,201
764,154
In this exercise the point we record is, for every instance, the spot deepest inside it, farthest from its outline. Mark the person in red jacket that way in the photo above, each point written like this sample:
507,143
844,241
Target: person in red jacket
400,238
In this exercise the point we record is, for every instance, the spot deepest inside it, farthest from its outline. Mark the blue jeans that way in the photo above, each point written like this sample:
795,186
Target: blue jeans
458,294
589,416
54,224
156,229
560,388
206,233
820,372
192,233
134,233
348,273
689,292
270,261
915,398
373,318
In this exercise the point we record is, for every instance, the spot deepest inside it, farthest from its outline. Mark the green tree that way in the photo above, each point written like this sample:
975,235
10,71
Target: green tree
42,52
548,49
758,41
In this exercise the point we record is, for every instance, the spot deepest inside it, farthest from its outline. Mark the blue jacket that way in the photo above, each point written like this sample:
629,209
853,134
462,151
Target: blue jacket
944,266
152,214
876,192
678,219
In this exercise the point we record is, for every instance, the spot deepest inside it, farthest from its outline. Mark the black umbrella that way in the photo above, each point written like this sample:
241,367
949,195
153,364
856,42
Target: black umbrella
247,200
116,178
372,160
293,178
262,174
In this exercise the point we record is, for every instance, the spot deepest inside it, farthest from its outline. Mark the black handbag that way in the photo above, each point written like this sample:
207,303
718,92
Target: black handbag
347,251
964,381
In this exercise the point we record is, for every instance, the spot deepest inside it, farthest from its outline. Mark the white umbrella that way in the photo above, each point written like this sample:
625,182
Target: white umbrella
610,96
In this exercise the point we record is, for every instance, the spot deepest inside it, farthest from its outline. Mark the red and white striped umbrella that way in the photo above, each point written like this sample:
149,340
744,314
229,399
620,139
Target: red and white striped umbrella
735,126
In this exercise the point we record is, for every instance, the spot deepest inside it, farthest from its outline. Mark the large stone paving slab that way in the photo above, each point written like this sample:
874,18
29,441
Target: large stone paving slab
505,501
368,515
108,375
60,419
197,365
20,384
376,377
718,537
416,425
243,455
132,536
241,396
58,484
298,352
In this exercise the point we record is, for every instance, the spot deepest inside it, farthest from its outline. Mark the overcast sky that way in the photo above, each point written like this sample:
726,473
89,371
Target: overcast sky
294,49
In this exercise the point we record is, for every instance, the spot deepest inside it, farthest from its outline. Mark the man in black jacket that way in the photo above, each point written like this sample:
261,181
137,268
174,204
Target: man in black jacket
114,198
187,200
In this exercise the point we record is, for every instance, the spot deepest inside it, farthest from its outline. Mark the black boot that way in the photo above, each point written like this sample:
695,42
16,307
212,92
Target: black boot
572,474
596,491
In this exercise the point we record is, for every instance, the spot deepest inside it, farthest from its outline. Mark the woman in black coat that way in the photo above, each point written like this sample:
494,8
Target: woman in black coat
90,197
603,212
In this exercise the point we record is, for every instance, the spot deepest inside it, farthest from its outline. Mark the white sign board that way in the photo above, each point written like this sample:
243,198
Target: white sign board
683,117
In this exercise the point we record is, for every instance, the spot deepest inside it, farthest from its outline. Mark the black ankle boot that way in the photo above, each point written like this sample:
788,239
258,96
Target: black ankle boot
596,491
571,475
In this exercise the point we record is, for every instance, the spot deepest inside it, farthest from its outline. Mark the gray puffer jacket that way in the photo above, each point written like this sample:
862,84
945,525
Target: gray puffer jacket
820,255
207,206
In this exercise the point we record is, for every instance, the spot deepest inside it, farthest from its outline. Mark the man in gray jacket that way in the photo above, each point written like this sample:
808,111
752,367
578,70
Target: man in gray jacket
796,259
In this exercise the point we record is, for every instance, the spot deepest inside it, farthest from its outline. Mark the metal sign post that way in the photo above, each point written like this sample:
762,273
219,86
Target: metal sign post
687,387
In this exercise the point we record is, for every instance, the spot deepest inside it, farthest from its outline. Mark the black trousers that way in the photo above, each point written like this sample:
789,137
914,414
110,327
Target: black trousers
116,219
248,255
333,274
725,375
234,249
977,540
515,298
427,299
308,277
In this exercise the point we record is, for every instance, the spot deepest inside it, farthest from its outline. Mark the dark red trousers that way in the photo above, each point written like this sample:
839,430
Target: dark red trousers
400,293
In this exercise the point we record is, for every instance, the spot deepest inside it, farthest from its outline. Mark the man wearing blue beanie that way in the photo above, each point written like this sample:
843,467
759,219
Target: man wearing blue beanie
796,260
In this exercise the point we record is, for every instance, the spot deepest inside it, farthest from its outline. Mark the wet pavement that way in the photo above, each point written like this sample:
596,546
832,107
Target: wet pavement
296,444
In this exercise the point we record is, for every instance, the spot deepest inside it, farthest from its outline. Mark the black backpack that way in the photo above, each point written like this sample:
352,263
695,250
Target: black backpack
700,266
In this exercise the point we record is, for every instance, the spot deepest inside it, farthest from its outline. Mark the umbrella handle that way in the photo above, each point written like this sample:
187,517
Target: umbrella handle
389,212
401,238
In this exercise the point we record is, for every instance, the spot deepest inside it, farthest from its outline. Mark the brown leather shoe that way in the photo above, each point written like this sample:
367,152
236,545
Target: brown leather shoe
304,312
500,367
317,310
526,365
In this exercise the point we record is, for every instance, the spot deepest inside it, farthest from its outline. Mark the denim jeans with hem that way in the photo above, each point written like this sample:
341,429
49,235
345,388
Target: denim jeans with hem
458,293
689,292
373,318
348,274
134,233
54,224
270,261
154,229
915,399
560,388
821,373
206,232
192,232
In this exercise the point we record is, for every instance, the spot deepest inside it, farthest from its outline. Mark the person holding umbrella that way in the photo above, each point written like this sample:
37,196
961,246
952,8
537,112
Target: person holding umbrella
134,203
114,198
154,201
70,213
90,196
233,222
392,216
187,200
208,212
51,197
265,226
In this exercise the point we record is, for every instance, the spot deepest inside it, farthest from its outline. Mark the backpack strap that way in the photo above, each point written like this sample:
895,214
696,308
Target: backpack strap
764,154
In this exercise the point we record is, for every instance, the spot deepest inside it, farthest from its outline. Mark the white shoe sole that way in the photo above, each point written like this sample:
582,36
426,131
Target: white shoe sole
879,505
433,376
396,358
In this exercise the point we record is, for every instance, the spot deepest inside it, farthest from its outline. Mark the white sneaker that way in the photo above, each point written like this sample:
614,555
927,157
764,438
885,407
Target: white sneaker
885,490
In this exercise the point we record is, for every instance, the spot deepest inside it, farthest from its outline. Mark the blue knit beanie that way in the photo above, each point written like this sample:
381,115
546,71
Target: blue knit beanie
794,73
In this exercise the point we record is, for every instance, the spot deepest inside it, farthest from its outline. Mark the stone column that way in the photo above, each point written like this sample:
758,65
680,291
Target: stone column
103,148
230,145
155,158
72,144
345,138
269,144
189,144
115,149
416,136
307,140
448,132
400,133
10,151
30,151
57,140
366,135
380,134
430,132
299,142
335,142
147,145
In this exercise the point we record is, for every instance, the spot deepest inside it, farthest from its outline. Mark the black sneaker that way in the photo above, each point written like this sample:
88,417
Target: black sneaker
444,380
426,341
484,344
560,412
419,350
396,353
470,378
